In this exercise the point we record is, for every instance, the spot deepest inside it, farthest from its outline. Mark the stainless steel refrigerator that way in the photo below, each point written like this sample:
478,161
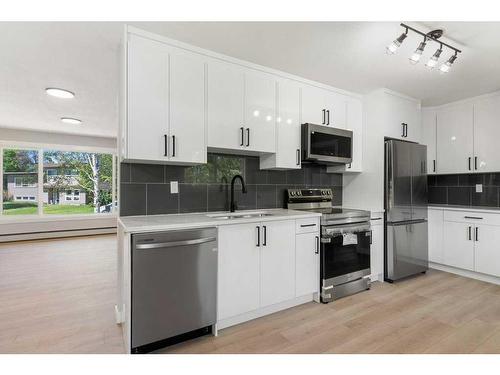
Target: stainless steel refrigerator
406,246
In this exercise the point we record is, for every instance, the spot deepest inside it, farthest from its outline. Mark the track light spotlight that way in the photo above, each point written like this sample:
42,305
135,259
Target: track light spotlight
434,59
445,68
392,48
415,58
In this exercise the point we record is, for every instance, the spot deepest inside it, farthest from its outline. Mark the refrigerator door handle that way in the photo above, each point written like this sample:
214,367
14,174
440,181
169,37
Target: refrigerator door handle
389,176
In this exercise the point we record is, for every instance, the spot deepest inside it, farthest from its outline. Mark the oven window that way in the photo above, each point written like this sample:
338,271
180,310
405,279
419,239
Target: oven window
339,259
330,145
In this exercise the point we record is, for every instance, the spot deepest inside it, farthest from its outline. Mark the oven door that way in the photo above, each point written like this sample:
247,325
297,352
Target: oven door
325,144
345,252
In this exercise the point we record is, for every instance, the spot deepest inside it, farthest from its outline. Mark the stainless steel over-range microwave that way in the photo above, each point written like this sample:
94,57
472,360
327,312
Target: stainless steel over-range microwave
326,145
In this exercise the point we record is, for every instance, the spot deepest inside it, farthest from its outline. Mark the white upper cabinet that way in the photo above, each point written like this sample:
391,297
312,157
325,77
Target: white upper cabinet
323,107
241,109
226,89
165,104
260,112
429,138
287,129
486,134
454,139
147,100
313,105
336,109
354,122
187,108
403,117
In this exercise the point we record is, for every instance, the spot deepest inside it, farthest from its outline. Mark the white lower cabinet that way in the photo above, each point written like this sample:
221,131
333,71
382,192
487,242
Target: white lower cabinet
465,239
277,262
458,249
435,230
239,270
377,247
487,249
306,263
264,264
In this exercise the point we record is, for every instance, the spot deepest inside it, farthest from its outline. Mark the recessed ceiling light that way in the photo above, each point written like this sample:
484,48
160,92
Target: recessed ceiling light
70,120
59,93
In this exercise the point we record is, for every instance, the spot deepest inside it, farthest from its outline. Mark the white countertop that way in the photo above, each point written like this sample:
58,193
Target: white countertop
464,208
150,223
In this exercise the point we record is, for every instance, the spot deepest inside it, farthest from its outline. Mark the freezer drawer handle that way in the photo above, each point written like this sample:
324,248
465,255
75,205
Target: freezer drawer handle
175,243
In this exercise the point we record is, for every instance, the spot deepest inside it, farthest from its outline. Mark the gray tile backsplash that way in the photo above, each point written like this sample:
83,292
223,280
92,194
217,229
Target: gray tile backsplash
460,189
145,188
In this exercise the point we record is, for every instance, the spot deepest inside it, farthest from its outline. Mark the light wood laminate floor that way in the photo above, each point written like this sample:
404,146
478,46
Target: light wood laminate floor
58,296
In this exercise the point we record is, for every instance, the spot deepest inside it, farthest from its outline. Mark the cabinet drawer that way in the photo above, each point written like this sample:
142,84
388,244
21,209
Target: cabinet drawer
472,217
307,225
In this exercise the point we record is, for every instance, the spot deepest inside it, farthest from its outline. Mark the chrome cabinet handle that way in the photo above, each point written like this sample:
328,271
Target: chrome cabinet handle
477,234
469,162
248,137
328,117
258,235
242,136
403,126
264,241
470,235
173,146
434,166
165,138
324,116
475,163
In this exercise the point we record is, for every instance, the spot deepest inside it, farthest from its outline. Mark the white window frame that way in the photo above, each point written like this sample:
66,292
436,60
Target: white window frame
40,148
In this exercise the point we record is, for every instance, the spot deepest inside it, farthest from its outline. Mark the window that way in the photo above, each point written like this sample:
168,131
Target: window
82,184
72,182
20,177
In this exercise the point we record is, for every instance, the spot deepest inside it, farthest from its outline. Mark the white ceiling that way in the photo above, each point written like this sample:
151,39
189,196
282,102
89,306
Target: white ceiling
83,57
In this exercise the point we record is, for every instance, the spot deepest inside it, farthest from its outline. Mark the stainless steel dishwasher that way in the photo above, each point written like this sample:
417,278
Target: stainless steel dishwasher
174,287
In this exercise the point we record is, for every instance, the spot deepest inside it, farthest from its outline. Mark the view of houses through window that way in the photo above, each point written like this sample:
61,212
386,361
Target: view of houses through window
70,183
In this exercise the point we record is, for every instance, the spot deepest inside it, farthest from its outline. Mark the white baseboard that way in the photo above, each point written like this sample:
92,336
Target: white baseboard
228,322
465,273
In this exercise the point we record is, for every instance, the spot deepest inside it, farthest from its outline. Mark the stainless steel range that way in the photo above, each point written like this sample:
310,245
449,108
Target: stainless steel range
345,243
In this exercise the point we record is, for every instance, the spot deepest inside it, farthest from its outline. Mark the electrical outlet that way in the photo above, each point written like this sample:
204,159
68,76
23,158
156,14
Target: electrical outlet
479,188
174,187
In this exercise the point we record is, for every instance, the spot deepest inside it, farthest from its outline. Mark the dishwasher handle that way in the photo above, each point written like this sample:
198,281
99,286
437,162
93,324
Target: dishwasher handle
175,243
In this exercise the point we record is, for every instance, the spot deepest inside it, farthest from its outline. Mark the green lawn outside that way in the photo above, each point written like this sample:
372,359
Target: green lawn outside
28,208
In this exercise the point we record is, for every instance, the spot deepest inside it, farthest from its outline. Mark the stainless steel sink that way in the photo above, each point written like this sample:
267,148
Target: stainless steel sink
239,215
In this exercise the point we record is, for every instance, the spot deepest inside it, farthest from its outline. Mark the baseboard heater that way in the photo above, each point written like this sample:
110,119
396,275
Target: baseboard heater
41,235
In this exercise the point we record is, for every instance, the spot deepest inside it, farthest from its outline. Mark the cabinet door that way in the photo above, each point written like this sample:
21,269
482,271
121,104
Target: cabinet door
458,246
187,108
306,264
377,251
486,134
260,112
401,111
147,99
277,262
225,105
239,270
429,139
454,139
288,129
336,110
313,105
435,218
487,249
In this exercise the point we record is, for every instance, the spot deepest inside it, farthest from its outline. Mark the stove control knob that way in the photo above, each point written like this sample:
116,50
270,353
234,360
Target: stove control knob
292,193
299,192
